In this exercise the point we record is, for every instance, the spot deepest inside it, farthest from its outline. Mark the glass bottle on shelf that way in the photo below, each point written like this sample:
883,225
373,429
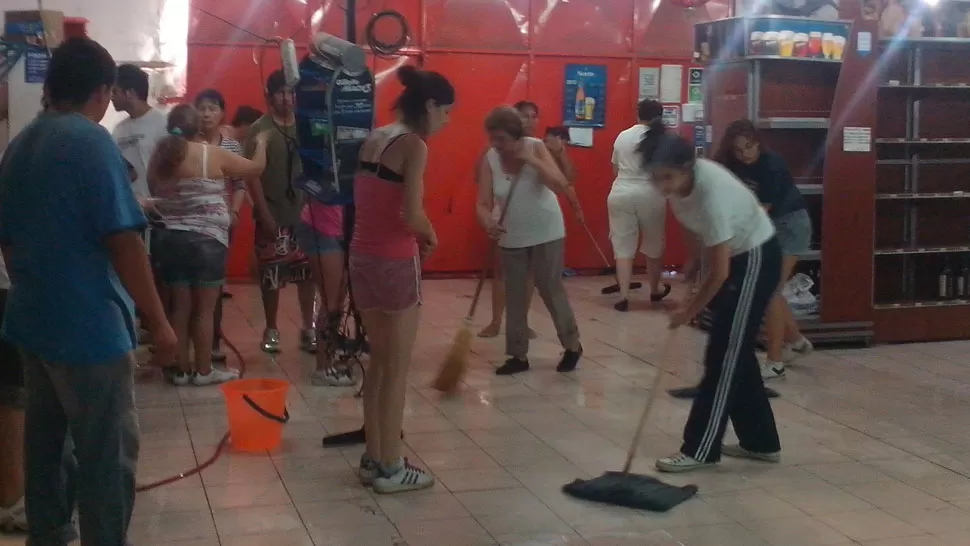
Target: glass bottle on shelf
963,280
945,282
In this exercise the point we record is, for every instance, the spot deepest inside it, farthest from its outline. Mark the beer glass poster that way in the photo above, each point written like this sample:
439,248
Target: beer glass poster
584,102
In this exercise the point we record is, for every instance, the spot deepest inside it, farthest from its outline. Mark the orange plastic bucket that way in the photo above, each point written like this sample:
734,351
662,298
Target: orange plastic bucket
257,412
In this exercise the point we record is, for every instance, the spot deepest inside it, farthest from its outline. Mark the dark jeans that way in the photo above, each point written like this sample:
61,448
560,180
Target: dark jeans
94,406
732,386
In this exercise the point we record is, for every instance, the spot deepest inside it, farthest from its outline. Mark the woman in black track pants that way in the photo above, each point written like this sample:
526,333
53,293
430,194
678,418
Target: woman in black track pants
745,267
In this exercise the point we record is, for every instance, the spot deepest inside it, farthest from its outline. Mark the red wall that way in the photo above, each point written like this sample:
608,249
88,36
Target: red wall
494,52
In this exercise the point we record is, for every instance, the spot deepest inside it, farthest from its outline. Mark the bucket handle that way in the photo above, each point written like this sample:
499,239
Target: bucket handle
266,414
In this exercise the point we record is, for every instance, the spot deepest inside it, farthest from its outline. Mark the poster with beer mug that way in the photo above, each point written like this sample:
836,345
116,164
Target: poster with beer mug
797,39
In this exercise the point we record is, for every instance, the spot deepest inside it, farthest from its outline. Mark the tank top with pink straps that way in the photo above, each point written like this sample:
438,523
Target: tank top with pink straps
380,229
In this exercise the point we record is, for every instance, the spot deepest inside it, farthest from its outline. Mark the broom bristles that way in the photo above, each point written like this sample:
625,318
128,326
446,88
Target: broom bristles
456,363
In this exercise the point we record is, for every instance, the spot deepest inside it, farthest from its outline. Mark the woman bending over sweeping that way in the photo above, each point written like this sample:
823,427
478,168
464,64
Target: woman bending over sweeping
529,114
766,173
745,265
533,234
392,234
636,209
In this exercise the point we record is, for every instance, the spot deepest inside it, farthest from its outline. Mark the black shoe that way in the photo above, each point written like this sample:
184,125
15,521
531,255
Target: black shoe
622,306
353,437
226,295
513,366
569,360
659,296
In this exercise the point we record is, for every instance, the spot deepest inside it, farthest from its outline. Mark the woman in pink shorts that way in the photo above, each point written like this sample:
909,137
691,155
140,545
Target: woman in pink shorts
392,234
320,234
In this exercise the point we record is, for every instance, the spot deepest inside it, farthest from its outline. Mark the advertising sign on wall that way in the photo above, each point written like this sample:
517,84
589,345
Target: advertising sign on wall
334,115
584,98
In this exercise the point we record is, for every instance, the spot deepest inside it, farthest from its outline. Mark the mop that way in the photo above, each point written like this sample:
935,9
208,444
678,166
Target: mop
635,490
456,363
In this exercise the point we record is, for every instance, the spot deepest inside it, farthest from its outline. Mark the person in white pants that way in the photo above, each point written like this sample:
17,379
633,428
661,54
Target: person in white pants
637,210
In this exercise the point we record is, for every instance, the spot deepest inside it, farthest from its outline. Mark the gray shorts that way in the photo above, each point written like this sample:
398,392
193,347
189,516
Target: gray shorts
794,231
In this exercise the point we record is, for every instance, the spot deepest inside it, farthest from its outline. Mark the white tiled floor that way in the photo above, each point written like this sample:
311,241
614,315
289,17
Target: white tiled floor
876,447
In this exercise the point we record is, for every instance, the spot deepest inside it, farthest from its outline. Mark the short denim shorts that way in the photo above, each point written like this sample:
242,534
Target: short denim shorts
794,232
187,258
314,243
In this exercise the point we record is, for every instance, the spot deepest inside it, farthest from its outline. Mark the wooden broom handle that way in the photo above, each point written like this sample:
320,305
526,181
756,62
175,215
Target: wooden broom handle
661,365
491,251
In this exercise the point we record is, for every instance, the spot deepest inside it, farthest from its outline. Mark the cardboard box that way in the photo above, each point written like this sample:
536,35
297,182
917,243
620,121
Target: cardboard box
38,28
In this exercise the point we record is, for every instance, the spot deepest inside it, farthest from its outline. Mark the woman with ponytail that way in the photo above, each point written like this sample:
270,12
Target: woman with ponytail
392,235
188,178
637,211
744,266
767,175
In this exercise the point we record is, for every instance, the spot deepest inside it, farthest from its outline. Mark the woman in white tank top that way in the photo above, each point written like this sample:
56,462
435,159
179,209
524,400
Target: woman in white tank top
189,179
637,210
520,172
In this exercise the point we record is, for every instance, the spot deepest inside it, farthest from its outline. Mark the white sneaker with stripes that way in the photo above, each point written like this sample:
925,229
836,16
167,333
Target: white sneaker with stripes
680,463
402,478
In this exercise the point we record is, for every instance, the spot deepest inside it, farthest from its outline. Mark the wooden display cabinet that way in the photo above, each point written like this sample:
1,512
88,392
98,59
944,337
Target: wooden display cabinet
922,190
789,93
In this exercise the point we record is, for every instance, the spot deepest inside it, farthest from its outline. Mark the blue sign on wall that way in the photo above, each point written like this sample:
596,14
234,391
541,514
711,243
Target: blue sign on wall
334,115
584,98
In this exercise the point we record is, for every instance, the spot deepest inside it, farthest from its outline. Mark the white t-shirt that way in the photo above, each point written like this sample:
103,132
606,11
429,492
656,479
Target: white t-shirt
534,217
721,209
629,163
137,139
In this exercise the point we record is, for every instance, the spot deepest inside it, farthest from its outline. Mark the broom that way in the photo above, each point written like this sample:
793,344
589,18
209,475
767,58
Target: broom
455,364
636,490
613,288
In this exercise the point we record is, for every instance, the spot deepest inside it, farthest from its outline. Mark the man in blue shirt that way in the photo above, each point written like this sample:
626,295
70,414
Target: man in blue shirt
70,232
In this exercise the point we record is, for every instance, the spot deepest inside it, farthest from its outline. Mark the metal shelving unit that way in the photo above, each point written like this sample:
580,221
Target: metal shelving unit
923,247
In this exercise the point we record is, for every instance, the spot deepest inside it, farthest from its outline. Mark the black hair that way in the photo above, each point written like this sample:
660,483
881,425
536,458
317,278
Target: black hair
275,82
132,78
651,139
649,109
78,68
558,131
505,119
245,115
212,96
523,104
725,151
667,150
420,86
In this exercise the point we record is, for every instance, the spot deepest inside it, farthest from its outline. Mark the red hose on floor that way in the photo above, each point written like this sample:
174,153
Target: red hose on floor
220,447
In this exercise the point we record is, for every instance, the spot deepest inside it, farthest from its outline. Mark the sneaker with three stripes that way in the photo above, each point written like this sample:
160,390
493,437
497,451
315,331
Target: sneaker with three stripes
402,477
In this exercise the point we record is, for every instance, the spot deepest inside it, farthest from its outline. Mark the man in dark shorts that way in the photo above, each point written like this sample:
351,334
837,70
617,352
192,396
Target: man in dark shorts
277,210
13,515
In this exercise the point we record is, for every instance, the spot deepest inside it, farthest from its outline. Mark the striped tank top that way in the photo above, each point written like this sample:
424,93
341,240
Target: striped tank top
380,229
195,204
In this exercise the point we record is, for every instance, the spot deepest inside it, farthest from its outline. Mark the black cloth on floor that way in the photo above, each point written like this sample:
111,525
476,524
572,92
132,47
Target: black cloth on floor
630,490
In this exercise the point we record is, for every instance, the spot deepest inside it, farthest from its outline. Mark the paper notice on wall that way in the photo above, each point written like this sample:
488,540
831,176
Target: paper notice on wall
649,83
857,139
671,116
671,83
864,43
692,112
581,136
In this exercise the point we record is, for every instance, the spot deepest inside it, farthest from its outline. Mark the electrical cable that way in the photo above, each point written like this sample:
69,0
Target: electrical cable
387,49
220,447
